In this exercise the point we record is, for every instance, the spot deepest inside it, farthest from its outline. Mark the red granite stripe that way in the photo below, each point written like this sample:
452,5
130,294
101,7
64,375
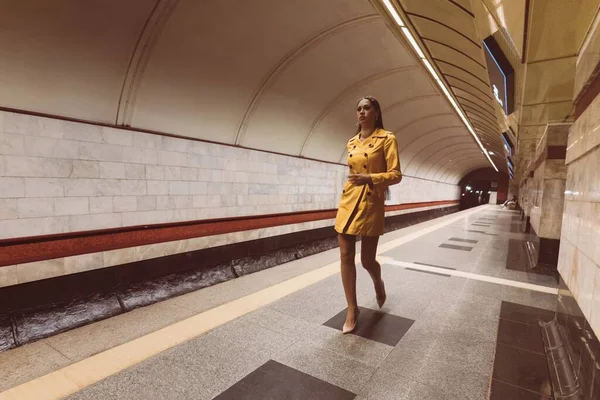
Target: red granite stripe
30,249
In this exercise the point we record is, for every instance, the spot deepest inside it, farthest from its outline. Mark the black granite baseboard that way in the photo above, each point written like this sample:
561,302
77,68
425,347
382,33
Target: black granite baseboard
543,251
36,310
582,345
521,258
548,251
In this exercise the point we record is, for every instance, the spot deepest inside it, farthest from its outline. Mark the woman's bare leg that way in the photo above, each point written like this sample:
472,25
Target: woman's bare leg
368,255
348,266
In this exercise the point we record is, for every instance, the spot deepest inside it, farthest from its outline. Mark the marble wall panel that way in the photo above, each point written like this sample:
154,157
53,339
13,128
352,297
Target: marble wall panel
59,176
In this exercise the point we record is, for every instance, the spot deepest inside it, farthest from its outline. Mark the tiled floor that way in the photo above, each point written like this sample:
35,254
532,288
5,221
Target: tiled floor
439,336
375,325
273,380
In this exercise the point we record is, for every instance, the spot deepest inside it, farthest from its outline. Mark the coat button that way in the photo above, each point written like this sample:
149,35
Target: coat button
354,147
371,145
364,166
350,155
366,154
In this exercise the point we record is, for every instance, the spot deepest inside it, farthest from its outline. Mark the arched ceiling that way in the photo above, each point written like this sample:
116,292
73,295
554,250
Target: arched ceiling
273,75
448,31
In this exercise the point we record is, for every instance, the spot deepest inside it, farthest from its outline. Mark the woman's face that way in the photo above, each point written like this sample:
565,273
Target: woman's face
366,113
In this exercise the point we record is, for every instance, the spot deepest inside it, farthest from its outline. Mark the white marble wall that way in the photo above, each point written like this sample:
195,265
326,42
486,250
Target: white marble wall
547,191
414,190
58,176
579,260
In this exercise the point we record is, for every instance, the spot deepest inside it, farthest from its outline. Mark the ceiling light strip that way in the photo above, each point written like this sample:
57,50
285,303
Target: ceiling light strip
409,36
394,12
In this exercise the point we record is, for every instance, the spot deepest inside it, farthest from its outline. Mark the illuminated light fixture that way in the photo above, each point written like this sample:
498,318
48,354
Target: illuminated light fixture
413,42
409,36
430,69
394,13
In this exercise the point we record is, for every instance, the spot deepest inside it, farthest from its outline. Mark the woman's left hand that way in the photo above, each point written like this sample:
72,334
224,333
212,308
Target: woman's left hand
360,179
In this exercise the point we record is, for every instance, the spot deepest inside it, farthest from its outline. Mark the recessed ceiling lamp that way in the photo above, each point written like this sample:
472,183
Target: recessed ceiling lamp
409,36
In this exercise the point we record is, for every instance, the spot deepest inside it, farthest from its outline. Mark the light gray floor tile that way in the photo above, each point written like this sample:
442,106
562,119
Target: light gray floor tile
200,369
28,362
352,346
322,300
331,367
402,303
290,325
485,289
530,298
441,374
453,344
355,347
255,337
120,329
387,386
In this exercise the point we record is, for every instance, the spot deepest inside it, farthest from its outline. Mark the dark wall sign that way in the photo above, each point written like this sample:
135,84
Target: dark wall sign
502,76
508,144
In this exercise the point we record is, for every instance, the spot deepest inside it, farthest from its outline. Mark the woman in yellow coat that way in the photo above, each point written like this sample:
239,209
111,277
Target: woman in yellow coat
374,165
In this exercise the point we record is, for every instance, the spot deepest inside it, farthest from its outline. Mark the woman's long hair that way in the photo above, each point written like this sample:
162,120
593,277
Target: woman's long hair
378,125
375,103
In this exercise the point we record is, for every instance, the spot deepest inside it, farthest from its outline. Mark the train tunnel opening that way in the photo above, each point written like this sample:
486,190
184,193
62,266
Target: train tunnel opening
483,186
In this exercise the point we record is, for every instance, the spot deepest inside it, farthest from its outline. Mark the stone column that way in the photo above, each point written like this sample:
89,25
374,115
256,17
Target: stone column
549,178
529,138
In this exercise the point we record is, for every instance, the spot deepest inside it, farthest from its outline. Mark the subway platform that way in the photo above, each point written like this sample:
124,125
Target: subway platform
463,320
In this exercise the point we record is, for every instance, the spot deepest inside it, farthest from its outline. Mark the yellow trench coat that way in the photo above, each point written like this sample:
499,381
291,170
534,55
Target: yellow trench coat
361,210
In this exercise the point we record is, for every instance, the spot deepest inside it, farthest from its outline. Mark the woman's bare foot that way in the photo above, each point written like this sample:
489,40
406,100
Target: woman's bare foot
351,319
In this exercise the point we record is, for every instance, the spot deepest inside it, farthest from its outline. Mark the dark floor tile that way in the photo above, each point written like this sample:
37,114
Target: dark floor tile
503,391
433,265
525,314
484,225
463,240
375,325
274,381
523,369
523,336
517,257
516,227
469,230
428,272
455,247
